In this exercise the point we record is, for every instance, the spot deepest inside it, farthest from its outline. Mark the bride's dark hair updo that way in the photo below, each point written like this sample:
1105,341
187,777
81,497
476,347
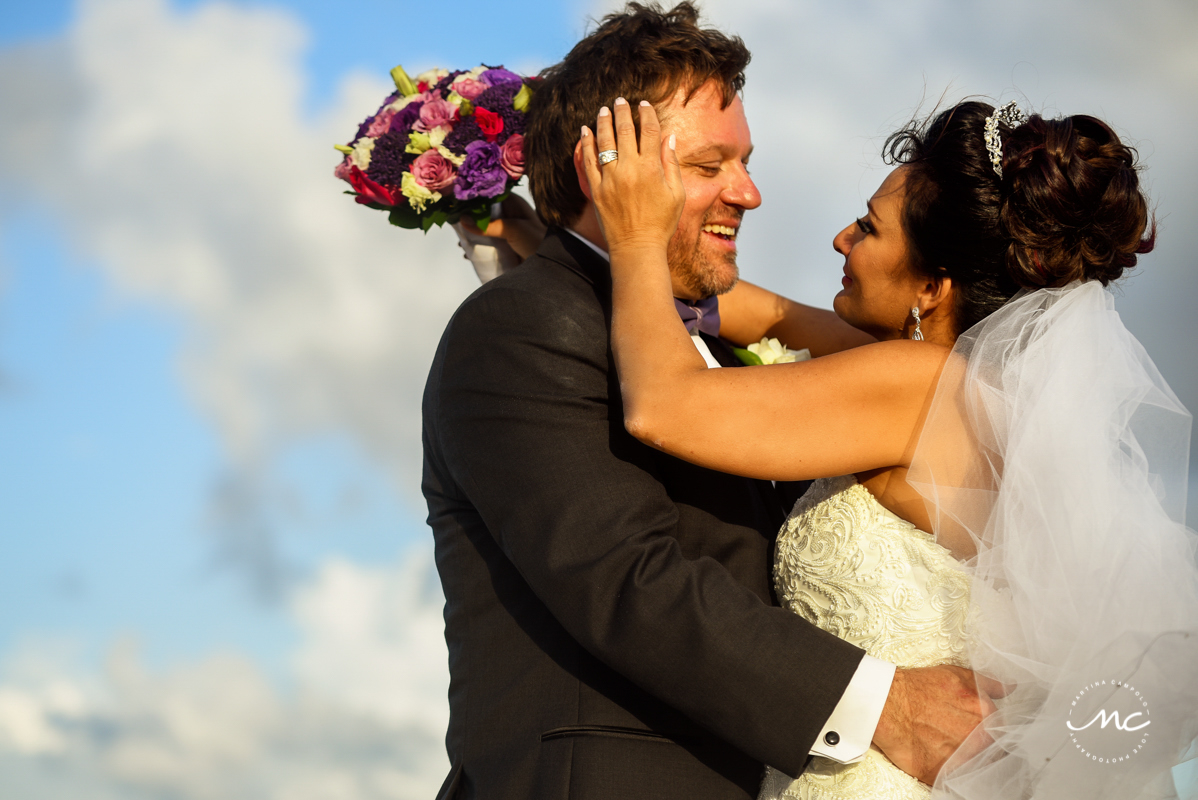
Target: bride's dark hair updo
1067,207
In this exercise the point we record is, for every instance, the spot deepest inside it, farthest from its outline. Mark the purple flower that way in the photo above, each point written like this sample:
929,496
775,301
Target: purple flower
498,97
389,159
499,75
463,134
513,123
406,117
482,173
439,89
381,123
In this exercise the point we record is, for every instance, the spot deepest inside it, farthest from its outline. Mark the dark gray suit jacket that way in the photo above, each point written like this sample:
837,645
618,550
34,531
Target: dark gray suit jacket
608,609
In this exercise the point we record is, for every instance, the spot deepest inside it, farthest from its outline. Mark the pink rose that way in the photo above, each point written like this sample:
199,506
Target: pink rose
436,113
381,123
511,155
433,171
342,170
469,88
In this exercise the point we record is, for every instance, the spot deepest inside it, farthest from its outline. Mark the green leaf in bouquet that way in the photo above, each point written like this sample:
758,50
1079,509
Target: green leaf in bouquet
403,82
404,217
467,108
437,218
520,101
747,357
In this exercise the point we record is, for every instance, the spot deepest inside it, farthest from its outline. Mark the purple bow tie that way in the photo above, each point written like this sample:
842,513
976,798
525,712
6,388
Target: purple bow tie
700,315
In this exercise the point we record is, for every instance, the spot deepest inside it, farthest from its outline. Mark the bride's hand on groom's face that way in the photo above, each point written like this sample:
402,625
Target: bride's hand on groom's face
929,713
638,196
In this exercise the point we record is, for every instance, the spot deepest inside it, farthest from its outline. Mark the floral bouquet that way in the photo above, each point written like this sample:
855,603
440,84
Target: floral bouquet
447,145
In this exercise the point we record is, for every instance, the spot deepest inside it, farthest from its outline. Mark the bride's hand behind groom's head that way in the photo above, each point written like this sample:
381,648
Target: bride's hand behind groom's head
519,226
636,186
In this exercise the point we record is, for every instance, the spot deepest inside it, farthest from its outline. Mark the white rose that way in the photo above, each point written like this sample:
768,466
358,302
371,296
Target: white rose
772,351
402,102
360,157
431,76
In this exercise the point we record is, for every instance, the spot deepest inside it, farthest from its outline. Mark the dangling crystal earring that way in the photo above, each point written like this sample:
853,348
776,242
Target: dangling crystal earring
917,334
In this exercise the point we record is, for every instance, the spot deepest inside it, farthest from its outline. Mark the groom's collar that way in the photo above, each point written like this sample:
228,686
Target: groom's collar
602,253
584,257
576,254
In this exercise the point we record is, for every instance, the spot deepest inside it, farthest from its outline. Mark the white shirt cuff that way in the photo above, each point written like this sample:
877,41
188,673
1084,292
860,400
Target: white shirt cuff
850,730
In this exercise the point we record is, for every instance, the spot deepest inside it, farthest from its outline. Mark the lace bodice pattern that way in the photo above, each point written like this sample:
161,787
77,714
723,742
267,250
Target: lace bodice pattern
847,564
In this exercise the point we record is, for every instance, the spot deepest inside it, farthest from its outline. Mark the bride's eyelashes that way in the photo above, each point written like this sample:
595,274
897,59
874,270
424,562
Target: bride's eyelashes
864,225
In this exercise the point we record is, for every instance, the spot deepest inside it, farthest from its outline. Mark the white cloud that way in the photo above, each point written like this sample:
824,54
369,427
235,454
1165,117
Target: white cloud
174,147
174,150
364,720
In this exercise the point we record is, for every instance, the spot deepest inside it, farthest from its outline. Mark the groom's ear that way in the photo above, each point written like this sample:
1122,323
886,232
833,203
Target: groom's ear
581,171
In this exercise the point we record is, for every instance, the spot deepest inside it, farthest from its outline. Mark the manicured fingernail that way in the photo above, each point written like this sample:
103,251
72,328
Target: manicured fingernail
644,103
673,141
603,112
585,131
620,101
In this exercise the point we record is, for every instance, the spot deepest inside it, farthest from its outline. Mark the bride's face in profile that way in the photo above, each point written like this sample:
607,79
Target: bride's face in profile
879,286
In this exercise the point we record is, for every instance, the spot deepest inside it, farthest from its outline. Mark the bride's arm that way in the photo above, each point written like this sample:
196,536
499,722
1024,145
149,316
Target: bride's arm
749,312
847,412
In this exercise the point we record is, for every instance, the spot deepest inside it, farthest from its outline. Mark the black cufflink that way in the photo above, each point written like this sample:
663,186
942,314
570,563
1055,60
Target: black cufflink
832,738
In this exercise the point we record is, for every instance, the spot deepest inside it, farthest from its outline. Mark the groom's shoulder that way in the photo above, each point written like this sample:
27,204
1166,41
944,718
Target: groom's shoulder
545,294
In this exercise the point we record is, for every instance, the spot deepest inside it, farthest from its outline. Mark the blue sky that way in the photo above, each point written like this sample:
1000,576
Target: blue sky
96,409
210,361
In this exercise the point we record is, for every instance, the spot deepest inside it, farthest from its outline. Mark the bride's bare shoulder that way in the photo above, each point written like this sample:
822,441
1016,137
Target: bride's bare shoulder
904,359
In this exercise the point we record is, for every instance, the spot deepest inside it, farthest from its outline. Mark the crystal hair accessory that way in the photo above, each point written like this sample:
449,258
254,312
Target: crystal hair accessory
1011,115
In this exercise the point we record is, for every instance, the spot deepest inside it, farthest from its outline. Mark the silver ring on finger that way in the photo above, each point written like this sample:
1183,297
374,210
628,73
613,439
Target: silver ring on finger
608,156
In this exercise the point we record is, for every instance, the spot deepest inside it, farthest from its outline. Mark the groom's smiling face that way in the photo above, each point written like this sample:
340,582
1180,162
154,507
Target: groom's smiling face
713,146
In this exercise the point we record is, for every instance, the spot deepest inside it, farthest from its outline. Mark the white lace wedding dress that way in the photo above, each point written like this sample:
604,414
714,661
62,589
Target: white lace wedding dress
1073,490
847,564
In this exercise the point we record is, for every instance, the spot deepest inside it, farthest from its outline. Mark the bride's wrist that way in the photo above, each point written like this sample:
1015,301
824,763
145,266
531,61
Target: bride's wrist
637,251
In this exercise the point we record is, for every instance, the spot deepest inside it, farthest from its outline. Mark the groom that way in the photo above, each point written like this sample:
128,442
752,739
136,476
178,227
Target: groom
611,628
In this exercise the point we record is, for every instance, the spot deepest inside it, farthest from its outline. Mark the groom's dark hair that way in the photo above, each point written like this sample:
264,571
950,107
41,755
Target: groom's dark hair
642,53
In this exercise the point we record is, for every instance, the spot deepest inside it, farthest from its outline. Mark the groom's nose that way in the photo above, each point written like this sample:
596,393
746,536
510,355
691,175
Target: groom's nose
740,190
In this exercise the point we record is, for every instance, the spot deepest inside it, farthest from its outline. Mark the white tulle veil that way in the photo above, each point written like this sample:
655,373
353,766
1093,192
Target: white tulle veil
1056,445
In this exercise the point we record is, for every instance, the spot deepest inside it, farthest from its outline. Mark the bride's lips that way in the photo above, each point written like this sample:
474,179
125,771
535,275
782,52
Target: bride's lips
846,281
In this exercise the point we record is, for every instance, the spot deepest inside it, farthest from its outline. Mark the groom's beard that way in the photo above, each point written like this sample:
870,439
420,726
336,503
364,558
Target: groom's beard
703,269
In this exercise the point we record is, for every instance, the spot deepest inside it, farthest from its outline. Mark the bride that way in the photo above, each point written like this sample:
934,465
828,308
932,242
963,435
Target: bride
1001,475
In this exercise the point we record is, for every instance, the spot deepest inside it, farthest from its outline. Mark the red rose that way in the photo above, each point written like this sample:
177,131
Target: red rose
369,191
490,123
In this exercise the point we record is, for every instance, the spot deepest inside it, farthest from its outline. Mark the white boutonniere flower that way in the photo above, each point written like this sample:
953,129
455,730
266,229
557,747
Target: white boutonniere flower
771,351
